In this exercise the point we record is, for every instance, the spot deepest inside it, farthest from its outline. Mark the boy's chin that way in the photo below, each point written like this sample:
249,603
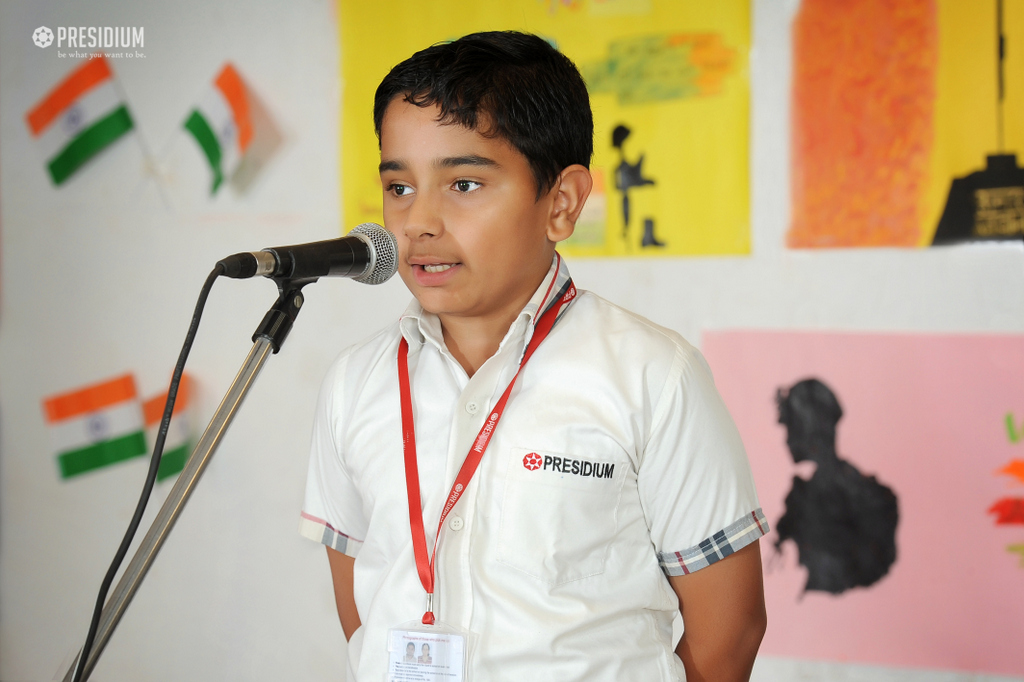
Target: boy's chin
434,301
446,305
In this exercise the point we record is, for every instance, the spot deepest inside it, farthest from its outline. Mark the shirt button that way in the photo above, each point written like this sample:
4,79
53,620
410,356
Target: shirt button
472,407
456,523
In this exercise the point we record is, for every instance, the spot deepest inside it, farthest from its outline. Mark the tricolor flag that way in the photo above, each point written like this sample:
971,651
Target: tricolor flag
96,426
221,124
178,445
79,118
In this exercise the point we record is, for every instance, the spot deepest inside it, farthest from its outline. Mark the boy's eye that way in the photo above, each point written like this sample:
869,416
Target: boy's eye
466,185
399,190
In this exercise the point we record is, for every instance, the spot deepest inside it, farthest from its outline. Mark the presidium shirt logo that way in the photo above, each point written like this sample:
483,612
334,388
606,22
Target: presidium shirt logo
565,465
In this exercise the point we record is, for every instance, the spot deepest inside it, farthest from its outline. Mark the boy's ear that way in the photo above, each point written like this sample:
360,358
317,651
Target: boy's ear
571,191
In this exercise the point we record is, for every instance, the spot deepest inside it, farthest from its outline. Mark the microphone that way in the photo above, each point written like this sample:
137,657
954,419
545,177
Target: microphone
367,254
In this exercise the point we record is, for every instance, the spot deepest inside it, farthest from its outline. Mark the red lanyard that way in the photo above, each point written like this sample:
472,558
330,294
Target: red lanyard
425,565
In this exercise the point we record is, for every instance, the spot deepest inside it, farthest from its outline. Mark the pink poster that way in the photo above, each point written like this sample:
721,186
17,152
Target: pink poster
895,483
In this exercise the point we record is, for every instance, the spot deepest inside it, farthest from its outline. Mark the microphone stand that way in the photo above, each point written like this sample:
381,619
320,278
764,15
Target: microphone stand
269,336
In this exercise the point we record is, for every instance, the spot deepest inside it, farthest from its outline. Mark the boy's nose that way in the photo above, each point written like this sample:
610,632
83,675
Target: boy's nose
424,219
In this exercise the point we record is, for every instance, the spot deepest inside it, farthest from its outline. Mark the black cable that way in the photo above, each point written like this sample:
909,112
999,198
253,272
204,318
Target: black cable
154,466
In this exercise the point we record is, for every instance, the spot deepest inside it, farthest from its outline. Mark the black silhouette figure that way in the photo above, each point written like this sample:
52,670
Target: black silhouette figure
985,205
630,176
843,522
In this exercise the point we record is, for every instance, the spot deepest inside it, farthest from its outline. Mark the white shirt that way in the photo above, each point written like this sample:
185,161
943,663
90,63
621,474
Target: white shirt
615,463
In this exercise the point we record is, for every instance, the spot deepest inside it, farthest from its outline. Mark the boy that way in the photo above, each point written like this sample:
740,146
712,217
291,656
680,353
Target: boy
607,470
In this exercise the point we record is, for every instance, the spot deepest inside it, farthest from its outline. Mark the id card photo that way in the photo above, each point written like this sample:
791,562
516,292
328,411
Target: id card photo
417,656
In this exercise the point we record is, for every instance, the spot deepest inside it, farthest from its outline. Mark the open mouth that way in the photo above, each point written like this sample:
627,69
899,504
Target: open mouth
440,267
434,274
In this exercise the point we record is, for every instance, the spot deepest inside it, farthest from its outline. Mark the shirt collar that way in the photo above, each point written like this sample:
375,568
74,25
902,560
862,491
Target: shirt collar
419,326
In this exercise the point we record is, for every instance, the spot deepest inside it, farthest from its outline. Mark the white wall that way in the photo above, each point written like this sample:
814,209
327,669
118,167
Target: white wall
99,277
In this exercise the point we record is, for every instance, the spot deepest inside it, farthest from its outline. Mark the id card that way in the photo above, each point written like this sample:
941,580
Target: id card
426,653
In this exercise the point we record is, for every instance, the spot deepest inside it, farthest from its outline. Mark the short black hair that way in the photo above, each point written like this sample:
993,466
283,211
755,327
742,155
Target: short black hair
530,95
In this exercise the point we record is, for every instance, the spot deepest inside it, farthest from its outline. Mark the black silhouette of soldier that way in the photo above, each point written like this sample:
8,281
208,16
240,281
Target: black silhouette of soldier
843,522
630,176
985,205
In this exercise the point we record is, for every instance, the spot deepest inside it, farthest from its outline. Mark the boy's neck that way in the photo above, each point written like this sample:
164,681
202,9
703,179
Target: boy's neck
472,340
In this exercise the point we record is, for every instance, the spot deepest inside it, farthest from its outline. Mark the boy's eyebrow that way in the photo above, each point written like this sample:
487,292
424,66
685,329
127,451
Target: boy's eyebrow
468,160
446,162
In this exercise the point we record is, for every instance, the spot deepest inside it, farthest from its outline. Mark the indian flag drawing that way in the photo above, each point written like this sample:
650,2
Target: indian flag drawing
221,125
178,444
79,118
96,426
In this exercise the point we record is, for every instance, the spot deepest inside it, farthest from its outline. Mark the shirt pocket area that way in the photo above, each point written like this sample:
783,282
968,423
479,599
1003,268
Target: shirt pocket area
559,513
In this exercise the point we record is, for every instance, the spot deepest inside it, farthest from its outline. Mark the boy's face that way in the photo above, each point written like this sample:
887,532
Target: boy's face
473,239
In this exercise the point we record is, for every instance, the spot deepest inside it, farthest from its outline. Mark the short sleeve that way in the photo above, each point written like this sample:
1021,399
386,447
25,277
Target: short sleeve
332,510
694,479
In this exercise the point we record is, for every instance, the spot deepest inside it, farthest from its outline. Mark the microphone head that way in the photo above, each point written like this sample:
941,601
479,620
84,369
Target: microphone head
383,253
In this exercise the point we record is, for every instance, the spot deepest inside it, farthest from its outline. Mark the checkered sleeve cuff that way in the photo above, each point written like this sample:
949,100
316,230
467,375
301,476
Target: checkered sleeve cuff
320,531
730,539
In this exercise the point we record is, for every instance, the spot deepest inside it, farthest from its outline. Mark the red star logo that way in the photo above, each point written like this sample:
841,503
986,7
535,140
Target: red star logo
532,461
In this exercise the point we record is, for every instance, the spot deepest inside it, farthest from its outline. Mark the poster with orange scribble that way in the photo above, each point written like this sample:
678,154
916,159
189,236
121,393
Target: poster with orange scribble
907,122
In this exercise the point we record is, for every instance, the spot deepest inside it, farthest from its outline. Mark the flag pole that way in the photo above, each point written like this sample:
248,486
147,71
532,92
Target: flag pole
152,166
267,339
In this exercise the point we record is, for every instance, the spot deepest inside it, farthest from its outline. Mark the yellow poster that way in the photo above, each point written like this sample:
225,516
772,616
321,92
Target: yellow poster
669,86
